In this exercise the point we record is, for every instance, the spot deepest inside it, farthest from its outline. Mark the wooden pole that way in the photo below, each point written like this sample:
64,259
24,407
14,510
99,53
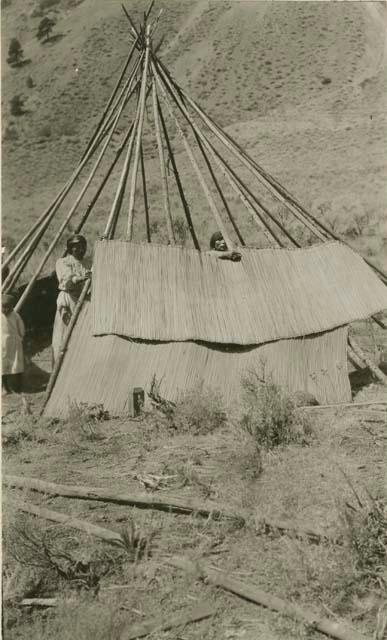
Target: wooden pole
199,175
74,207
253,594
220,191
116,206
381,323
164,623
145,194
275,188
345,404
242,156
49,213
91,204
378,373
164,181
202,139
114,92
142,501
74,523
59,361
178,180
142,98
236,183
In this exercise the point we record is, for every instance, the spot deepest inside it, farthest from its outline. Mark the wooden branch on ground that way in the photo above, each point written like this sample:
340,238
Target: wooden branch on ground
136,500
74,523
191,614
167,504
131,631
254,594
345,404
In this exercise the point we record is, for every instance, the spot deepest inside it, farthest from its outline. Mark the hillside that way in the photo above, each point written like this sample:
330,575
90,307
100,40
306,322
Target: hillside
302,85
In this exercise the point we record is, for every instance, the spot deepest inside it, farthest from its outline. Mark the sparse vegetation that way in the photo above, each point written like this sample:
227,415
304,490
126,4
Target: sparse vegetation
17,106
269,414
199,411
15,52
45,28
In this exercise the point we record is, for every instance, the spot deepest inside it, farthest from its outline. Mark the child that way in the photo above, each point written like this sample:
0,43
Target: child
12,334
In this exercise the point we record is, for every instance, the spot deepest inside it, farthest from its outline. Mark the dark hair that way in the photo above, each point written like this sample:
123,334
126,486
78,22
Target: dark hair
215,238
76,239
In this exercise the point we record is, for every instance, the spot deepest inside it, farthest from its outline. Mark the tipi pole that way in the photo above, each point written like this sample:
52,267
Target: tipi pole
227,170
112,96
145,193
241,155
371,365
276,189
223,167
115,209
59,361
91,204
199,175
92,146
256,205
219,190
73,208
132,195
136,34
167,208
178,180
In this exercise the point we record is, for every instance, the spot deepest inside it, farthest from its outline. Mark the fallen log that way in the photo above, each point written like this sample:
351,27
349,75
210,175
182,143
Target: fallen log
142,501
75,523
88,493
254,594
339,405
191,614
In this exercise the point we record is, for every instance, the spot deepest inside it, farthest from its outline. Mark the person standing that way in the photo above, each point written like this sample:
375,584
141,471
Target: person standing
12,335
72,273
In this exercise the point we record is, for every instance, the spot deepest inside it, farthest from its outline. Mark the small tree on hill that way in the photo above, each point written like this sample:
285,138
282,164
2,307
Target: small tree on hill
45,28
15,52
17,106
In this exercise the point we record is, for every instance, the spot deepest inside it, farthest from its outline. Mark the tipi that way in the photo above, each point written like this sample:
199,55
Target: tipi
168,310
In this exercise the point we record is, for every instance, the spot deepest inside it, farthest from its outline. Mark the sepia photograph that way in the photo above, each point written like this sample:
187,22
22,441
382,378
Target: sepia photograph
194,319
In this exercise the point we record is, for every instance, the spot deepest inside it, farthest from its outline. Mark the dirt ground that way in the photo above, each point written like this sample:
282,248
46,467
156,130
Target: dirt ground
305,485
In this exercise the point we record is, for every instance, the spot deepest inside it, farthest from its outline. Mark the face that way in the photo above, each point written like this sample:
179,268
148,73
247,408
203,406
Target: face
78,250
220,245
6,307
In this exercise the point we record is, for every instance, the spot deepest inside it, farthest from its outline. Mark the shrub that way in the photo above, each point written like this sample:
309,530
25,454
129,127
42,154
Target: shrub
17,106
83,420
45,28
15,52
199,411
269,414
30,83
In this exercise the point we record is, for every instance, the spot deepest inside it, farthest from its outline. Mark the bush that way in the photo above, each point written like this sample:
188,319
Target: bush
199,411
269,414
17,106
15,52
45,28
83,420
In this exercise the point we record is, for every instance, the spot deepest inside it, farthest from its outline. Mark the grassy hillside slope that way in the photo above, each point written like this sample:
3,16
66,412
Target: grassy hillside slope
301,84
